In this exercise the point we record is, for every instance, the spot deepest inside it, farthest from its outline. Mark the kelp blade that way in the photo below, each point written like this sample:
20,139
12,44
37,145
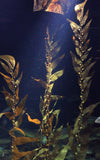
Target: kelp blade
55,6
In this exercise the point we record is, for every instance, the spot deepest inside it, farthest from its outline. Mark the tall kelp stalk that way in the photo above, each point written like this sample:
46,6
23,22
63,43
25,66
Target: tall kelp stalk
13,79
82,63
49,134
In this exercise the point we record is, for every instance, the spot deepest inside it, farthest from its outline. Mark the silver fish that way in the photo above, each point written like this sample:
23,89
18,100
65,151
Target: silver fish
97,120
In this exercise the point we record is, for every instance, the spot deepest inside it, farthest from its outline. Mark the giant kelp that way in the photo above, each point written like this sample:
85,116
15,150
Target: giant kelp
11,94
48,131
47,126
47,146
82,63
55,6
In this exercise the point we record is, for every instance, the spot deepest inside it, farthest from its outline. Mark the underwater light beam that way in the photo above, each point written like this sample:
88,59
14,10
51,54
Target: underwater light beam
59,7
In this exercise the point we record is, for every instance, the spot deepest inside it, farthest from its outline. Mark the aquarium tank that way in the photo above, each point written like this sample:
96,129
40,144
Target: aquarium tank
47,110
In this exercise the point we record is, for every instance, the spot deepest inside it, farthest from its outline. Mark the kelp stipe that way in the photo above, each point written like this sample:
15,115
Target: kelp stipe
17,107
82,63
48,131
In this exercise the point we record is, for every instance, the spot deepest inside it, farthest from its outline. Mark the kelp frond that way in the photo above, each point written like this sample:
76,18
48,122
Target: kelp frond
82,63
55,6
17,107
49,117
11,94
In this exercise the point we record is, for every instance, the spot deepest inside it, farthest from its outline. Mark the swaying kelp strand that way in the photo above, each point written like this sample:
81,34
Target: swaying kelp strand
82,64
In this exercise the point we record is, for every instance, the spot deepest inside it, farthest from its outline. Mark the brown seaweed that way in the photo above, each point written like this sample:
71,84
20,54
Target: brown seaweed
82,63
17,107
47,128
55,6
47,146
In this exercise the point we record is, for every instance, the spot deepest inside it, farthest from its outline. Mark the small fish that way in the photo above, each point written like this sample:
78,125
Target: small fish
97,120
2,151
44,140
